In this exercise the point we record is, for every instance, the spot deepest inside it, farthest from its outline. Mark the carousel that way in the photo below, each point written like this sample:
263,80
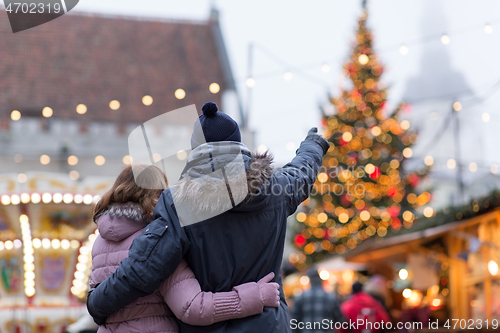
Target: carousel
46,237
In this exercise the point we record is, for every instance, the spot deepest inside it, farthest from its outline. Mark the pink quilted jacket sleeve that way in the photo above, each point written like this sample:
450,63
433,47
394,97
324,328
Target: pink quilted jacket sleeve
183,295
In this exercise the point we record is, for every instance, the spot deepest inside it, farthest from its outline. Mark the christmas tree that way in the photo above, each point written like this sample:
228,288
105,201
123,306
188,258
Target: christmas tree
362,190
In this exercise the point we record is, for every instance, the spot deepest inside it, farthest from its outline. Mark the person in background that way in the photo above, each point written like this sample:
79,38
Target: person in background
316,305
361,306
376,287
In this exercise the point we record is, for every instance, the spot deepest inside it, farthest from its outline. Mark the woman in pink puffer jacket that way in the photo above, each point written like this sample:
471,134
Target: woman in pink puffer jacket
121,215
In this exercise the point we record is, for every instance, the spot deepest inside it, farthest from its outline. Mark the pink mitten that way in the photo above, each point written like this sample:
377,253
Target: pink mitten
269,291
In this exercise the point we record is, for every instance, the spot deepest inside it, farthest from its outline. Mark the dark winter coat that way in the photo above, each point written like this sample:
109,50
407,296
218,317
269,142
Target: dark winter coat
235,247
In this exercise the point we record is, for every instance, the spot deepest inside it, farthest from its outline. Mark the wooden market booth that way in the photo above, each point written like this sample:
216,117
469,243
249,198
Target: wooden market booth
466,249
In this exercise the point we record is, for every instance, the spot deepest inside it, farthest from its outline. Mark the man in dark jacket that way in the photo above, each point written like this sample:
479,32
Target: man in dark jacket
241,244
316,311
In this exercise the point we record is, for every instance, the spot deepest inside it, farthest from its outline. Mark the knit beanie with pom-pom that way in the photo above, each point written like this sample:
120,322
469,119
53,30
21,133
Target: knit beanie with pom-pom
214,126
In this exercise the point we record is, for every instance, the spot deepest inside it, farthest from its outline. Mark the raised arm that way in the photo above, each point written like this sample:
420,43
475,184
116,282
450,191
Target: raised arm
298,176
184,297
153,257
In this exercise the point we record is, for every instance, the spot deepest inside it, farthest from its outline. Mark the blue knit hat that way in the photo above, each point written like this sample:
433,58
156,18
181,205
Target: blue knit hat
215,125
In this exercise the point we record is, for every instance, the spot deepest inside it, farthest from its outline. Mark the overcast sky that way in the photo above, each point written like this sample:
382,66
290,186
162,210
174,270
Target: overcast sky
307,34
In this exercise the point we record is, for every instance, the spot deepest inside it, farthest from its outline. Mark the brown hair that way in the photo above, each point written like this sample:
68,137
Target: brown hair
126,188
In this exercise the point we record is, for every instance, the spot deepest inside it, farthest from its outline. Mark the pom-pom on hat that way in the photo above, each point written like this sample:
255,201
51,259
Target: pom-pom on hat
215,125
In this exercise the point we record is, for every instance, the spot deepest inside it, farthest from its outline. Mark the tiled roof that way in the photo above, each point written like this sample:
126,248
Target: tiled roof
94,59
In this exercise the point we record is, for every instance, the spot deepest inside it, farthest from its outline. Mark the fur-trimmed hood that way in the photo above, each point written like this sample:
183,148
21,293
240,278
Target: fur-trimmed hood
119,221
219,176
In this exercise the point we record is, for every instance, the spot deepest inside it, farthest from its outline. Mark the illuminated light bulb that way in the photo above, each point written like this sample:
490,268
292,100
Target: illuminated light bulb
17,243
156,157
15,199
127,160
78,199
403,274
46,243
96,199
407,152
5,199
35,198
79,275
473,167
288,76
77,283
56,243
376,131
114,105
46,197
493,267
29,267
22,178
457,106
382,231
74,175
369,168
29,258
87,199
363,59
99,160
47,112
407,293
304,280
323,177
250,82
404,50
68,198
23,218
428,212
83,259
436,302
65,244
347,136
147,100
365,215
25,198
429,160
57,198
325,68
262,149
2,246
494,169
180,94
15,115
44,159
30,292
72,160
37,243
29,275
92,238
75,244
485,117
81,109
445,39
214,88
324,274
451,163
322,217
301,217
9,245
81,267
405,124
488,29
343,217
84,250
